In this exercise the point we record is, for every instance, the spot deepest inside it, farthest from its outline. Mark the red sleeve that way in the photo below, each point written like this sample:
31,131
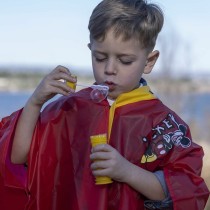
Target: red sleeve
14,175
182,166
187,188
172,150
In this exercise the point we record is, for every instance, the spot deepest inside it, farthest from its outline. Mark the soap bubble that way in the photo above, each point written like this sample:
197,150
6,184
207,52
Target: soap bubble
99,93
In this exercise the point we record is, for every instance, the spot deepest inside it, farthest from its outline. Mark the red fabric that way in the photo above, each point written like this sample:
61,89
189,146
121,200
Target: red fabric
59,175
12,177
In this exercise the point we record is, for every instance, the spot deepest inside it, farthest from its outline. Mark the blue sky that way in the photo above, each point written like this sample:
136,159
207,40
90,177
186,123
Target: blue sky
52,32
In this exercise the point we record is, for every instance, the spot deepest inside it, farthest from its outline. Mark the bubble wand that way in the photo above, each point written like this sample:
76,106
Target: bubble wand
98,94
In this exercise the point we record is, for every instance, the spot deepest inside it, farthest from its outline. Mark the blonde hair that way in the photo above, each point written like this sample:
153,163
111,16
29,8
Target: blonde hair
129,19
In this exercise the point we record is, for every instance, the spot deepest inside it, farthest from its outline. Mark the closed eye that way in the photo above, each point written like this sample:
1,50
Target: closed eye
125,62
100,59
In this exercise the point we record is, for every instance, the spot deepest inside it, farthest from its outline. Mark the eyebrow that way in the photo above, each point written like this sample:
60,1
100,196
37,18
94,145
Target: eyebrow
119,55
99,52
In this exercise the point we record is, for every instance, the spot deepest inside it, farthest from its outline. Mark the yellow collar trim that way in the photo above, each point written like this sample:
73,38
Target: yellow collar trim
136,95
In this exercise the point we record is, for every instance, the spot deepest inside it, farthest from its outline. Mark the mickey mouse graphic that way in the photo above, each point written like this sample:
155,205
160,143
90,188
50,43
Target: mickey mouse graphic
178,137
162,145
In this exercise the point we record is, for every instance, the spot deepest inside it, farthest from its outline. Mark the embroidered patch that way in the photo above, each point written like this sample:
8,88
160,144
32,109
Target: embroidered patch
165,136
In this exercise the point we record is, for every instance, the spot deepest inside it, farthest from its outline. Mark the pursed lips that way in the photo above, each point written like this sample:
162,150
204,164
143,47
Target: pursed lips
110,84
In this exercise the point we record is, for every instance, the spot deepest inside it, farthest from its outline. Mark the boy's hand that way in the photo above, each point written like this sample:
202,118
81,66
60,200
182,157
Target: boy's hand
107,161
52,85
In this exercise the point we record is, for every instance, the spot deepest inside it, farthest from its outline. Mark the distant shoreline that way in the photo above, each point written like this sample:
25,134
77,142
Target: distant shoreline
28,82
162,85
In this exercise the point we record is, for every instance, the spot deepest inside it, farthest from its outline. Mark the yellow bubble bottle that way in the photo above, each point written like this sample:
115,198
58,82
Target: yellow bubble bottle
96,140
72,84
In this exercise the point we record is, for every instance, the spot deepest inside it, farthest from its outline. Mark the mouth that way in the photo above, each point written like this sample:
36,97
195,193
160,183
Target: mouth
111,85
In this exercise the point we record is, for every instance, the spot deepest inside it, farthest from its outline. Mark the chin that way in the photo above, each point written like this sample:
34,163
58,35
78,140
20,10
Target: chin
113,95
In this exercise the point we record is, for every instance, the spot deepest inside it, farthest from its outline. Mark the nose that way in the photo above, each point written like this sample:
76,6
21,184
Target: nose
111,67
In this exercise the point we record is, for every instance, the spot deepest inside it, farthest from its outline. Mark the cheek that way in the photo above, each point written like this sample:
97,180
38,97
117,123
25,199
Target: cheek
134,76
98,74
129,82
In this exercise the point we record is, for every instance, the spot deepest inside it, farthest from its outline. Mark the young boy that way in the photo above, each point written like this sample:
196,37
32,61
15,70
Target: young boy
150,156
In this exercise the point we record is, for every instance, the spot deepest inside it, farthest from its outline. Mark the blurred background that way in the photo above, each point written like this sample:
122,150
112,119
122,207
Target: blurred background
36,36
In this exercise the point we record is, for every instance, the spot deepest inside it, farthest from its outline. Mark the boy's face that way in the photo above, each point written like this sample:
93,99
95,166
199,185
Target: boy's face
118,64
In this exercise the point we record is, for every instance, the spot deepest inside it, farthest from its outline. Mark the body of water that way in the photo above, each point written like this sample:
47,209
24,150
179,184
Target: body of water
12,101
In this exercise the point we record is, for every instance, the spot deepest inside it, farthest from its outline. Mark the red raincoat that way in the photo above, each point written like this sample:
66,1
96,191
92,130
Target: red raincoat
58,176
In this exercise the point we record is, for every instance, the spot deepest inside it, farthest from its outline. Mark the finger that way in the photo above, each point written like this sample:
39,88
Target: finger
100,164
102,147
56,90
101,172
100,156
62,85
57,87
61,68
62,76
61,72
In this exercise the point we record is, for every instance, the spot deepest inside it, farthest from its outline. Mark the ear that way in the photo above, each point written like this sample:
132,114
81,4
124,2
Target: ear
151,60
89,46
